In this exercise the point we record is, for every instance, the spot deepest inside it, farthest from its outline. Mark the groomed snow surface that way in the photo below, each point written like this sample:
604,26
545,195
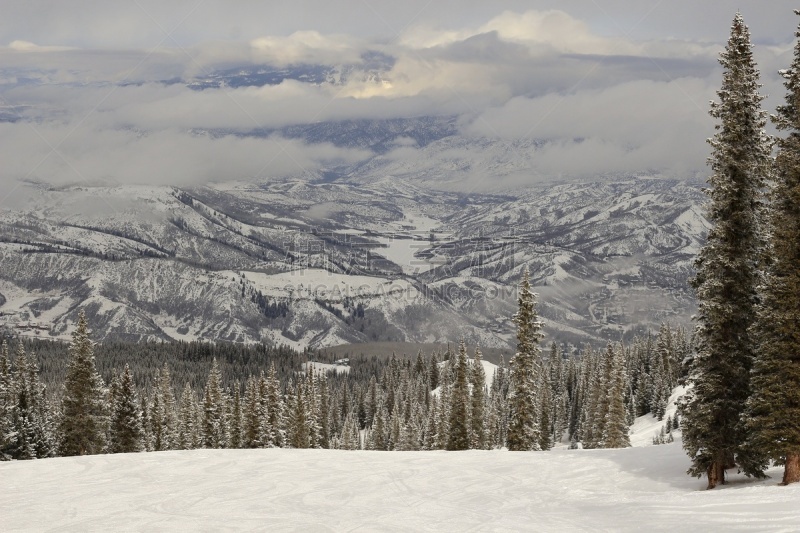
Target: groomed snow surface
635,489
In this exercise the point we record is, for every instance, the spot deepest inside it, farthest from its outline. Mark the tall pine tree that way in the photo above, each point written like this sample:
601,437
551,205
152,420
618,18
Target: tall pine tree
523,423
459,403
477,414
84,417
6,403
615,430
215,420
774,407
728,270
126,419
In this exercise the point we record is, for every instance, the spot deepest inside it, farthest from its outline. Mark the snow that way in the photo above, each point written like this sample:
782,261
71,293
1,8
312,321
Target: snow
318,283
693,222
400,250
559,274
647,426
412,232
633,489
324,368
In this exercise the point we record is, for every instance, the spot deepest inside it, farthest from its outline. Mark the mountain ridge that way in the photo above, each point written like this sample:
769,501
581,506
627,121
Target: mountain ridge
314,264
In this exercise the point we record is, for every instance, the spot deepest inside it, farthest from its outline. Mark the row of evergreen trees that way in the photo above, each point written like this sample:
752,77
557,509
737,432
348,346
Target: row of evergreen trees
743,406
441,402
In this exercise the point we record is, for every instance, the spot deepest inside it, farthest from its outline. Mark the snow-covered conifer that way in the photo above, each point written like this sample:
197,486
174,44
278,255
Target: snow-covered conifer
478,404
524,432
615,430
459,424
6,403
187,428
545,411
236,418
84,416
728,270
215,423
774,407
126,433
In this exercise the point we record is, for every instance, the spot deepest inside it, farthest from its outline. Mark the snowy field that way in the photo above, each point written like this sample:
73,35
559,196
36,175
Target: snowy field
636,489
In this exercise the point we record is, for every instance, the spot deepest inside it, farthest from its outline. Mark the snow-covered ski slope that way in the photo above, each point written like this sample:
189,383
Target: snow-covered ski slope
635,489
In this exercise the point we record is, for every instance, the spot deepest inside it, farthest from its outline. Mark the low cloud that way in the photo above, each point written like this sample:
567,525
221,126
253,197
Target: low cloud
307,47
70,154
540,94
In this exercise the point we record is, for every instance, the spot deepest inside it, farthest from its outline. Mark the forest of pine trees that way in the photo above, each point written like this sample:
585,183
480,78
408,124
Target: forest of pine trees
443,401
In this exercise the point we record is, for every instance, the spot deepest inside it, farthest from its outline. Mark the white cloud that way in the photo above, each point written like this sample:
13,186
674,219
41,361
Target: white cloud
27,46
307,47
75,154
628,113
556,29
601,101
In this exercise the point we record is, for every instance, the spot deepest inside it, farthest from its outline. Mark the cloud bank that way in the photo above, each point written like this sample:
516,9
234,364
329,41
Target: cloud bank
569,94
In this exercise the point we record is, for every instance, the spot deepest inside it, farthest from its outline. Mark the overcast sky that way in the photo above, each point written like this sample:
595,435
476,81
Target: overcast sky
610,85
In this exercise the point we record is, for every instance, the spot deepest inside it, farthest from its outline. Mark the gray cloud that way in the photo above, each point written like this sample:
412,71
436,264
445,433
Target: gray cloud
141,24
69,154
543,90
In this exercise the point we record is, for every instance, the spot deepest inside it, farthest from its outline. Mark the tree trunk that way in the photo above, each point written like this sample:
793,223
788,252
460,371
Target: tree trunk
716,474
791,471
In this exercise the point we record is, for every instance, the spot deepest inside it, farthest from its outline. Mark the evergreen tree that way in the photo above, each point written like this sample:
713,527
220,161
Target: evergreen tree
433,372
312,406
299,434
443,424
395,427
84,416
162,414
126,433
378,433
30,418
728,271
589,398
615,431
524,432
236,418
663,372
157,429
459,426
251,421
429,438
599,399
350,439
215,424
477,412
323,414
371,404
545,414
187,428
774,407
271,411
559,395
6,403
147,437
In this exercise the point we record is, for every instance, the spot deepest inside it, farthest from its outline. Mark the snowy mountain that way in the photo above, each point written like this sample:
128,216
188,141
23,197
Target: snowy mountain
320,262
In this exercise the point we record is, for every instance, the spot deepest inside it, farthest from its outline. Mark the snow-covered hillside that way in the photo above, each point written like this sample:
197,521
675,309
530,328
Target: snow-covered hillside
313,264
635,489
